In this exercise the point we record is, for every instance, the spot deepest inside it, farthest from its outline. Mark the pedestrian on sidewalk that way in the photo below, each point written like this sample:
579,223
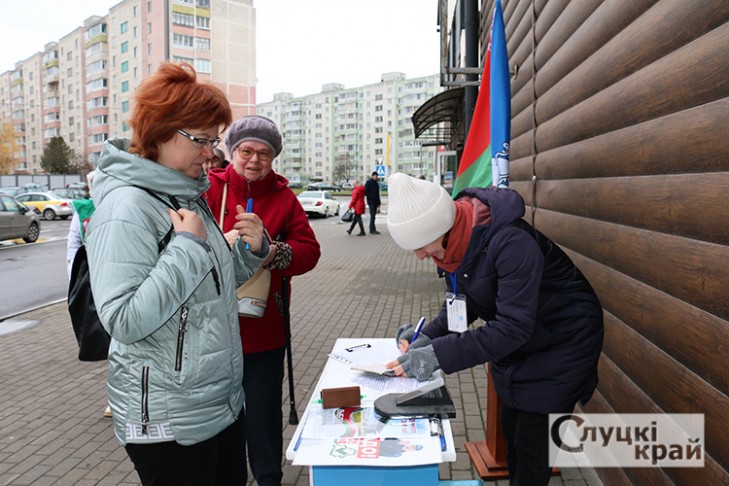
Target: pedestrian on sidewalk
164,285
357,204
372,193
254,142
82,211
543,326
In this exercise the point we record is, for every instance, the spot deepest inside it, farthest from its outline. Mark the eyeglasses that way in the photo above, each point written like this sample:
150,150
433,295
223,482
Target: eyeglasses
200,143
247,153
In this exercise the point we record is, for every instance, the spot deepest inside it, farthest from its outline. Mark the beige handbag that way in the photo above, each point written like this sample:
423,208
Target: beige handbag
253,294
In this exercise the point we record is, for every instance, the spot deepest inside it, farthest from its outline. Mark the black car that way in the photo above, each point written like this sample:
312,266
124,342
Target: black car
322,186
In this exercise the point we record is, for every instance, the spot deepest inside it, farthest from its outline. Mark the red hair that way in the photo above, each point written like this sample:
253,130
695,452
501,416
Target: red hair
170,99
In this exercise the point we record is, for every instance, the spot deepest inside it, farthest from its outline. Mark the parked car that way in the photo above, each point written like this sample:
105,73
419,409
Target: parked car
319,202
49,204
347,185
11,190
69,192
34,187
17,220
295,185
322,186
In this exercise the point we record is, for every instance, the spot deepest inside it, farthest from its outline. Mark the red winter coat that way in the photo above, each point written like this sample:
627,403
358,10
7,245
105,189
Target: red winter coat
357,202
286,221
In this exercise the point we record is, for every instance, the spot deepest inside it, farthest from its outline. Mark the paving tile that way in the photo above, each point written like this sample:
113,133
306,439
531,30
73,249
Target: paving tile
51,425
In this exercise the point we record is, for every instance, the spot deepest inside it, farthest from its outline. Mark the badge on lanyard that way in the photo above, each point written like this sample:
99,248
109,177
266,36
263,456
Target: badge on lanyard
456,308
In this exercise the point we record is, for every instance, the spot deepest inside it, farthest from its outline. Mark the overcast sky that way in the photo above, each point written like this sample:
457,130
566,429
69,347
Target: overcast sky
301,45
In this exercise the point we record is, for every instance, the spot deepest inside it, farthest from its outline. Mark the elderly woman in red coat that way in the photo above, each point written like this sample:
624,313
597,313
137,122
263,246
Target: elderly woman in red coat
253,142
358,205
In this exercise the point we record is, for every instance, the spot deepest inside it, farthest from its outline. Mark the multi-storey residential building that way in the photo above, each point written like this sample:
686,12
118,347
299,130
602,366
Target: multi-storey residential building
81,87
343,134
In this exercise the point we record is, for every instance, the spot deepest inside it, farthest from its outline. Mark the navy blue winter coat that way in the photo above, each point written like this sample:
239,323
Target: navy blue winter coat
543,327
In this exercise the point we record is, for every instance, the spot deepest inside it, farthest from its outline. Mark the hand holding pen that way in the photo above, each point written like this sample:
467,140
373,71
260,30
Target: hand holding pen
405,339
249,227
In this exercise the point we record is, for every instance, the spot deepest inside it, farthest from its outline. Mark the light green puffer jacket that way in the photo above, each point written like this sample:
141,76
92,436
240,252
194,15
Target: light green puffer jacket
175,359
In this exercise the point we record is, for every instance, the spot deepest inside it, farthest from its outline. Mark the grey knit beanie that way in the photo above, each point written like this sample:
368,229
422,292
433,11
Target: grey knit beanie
419,212
256,128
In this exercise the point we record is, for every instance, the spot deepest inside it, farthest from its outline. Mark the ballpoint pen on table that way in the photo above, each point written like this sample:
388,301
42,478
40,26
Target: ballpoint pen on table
417,330
249,209
436,428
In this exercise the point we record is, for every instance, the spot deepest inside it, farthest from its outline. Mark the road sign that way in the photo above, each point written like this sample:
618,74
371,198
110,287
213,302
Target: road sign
380,170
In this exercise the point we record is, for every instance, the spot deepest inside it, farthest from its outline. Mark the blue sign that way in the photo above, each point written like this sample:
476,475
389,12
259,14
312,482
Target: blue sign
380,170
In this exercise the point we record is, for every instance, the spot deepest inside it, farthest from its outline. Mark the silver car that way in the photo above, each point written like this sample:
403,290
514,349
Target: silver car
17,220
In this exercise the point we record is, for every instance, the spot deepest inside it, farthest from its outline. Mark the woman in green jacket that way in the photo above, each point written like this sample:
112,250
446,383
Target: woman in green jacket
175,361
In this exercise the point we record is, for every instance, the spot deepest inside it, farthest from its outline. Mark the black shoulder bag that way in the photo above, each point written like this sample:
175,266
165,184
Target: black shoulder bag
93,340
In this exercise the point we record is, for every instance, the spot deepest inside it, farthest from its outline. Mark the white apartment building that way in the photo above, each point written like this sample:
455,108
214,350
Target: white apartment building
344,134
81,87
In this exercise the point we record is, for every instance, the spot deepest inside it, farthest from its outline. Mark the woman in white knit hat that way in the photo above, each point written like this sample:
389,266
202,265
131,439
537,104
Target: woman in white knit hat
543,326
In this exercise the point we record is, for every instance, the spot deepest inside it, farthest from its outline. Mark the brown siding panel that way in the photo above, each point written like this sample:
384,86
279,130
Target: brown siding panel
629,173
690,270
696,74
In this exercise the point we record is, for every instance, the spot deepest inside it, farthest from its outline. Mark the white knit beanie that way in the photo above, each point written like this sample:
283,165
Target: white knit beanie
418,212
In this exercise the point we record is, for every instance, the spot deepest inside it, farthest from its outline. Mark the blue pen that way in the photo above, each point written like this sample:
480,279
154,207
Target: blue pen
249,209
417,329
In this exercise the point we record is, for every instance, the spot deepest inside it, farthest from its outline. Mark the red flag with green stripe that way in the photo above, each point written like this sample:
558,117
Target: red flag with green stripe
487,146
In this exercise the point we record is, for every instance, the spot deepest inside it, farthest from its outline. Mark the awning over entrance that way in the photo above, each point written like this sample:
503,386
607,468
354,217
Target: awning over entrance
446,108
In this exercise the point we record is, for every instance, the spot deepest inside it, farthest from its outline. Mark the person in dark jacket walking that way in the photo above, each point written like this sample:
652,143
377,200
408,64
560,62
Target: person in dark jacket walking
543,323
372,194
358,206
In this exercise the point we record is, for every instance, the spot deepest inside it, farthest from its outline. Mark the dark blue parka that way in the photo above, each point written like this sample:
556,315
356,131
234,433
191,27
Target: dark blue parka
543,327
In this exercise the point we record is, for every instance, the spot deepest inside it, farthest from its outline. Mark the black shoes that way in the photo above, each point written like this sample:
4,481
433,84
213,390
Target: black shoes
361,234
349,231
375,232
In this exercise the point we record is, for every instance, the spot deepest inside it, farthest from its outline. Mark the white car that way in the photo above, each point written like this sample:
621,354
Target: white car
319,202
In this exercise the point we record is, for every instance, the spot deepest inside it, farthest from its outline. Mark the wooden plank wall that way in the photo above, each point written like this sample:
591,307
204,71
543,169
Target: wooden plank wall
620,111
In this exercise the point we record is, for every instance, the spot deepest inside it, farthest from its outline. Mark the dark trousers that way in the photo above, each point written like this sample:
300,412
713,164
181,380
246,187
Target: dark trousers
262,381
357,219
527,446
373,214
220,460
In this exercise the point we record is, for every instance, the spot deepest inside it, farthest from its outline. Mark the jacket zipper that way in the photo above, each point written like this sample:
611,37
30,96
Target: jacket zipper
145,399
204,205
181,338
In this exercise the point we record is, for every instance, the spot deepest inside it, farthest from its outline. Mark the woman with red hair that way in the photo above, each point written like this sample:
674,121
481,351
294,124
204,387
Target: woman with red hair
164,280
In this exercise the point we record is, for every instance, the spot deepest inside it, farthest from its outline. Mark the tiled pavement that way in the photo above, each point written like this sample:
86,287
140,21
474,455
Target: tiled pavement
51,425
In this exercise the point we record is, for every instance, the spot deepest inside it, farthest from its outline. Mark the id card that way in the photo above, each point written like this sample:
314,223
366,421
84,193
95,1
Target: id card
456,307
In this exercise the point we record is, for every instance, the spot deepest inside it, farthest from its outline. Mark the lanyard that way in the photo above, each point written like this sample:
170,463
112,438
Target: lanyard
452,276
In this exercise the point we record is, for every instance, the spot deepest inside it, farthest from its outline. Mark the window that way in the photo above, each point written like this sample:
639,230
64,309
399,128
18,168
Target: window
98,138
202,22
124,27
179,59
182,40
94,49
125,86
97,84
95,121
125,66
125,106
183,19
96,66
98,102
202,65
202,44
124,47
